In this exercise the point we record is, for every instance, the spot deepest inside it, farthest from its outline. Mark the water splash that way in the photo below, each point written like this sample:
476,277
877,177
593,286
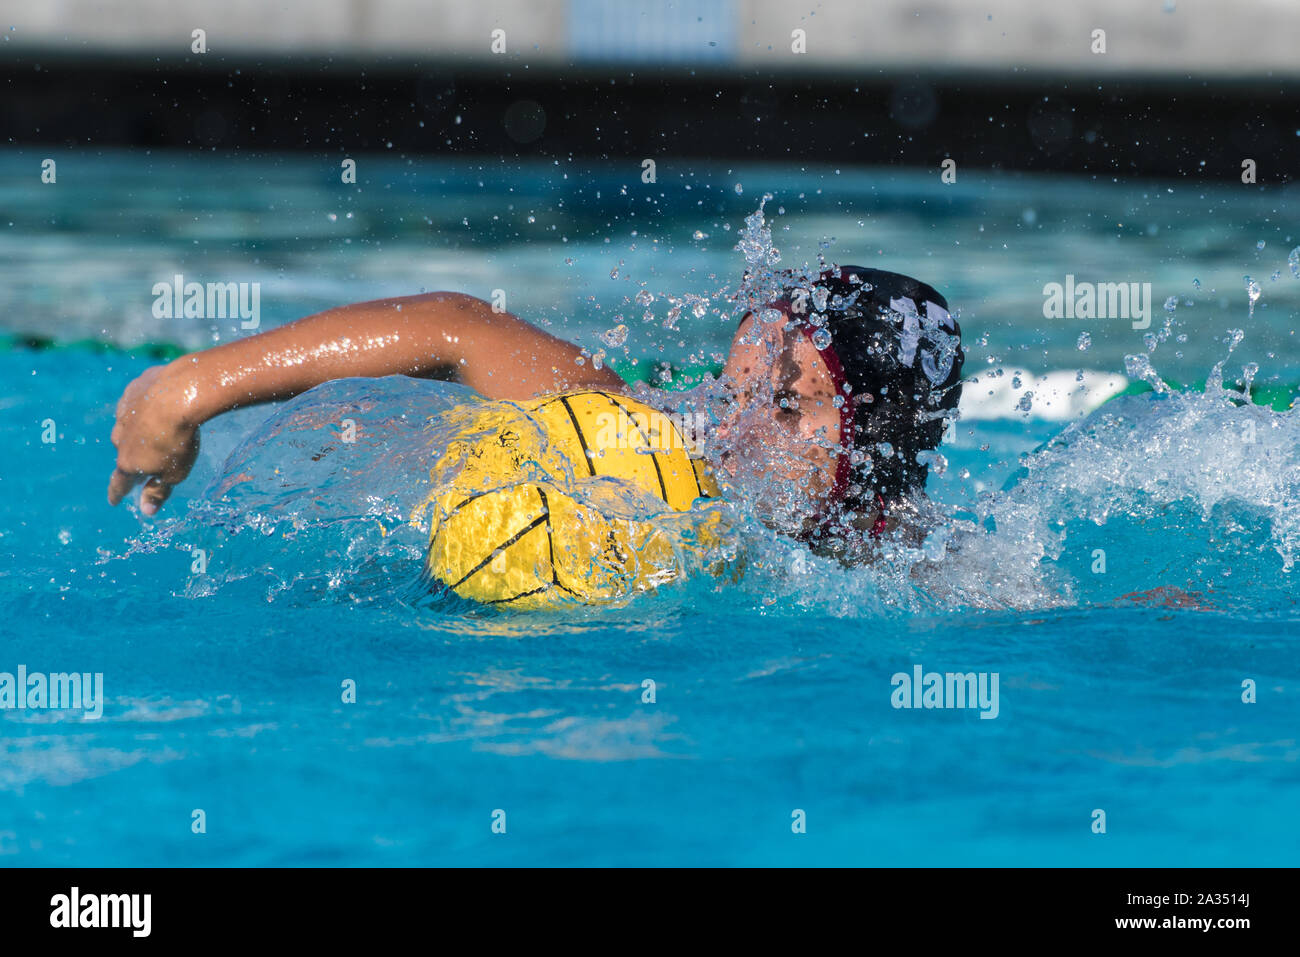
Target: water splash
1194,490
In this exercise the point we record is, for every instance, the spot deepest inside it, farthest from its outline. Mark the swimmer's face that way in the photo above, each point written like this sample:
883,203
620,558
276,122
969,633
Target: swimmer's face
783,422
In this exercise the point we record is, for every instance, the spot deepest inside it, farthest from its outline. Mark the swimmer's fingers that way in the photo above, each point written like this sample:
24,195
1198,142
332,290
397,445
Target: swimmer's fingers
160,484
157,488
154,493
120,485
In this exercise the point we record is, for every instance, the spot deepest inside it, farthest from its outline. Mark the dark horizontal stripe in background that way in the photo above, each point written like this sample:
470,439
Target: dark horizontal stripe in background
1196,128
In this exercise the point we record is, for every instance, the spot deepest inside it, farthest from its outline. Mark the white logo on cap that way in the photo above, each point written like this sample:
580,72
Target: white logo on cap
935,315
911,329
936,311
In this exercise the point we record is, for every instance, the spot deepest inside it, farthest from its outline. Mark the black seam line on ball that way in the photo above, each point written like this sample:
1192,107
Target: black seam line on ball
560,398
696,475
550,545
582,439
663,489
499,549
550,540
522,594
477,495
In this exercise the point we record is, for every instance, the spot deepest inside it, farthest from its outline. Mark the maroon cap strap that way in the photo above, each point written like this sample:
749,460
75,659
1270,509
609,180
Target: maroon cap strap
878,526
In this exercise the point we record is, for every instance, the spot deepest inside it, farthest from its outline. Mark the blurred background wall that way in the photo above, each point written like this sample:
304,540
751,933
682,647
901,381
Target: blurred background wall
1182,84
1198,37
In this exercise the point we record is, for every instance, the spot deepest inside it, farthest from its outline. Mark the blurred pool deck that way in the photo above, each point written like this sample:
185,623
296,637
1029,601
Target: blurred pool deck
1185,88
1150,37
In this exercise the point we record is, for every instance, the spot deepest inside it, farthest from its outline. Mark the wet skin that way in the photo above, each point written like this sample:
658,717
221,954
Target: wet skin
784,438
787,405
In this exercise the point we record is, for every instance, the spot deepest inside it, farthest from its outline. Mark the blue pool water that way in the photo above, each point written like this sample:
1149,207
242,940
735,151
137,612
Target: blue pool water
1120,690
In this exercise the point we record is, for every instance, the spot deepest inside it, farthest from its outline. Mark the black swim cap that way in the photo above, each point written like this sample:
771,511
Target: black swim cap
896,355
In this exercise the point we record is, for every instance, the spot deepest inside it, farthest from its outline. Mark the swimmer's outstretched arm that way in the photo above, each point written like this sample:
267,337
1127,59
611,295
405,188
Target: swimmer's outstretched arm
440,335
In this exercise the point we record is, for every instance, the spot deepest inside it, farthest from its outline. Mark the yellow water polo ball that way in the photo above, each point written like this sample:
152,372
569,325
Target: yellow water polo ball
577,497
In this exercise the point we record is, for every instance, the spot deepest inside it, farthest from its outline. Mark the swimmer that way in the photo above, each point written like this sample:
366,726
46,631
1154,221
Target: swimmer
835,390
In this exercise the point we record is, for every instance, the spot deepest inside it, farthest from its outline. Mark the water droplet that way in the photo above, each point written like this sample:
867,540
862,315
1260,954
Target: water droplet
739,189
1196,283
1293,261
1253,291
615,337
1260,244
644,297
937,463
1026,402
1171,303
821,339
1084,342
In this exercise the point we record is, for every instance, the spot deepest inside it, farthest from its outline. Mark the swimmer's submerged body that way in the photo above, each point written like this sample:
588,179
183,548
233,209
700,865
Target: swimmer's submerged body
830,396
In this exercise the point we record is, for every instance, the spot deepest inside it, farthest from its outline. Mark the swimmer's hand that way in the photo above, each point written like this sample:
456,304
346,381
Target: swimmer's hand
156,443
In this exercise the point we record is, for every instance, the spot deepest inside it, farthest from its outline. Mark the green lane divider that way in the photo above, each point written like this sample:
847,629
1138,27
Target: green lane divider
154,351
662,375
1280,398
